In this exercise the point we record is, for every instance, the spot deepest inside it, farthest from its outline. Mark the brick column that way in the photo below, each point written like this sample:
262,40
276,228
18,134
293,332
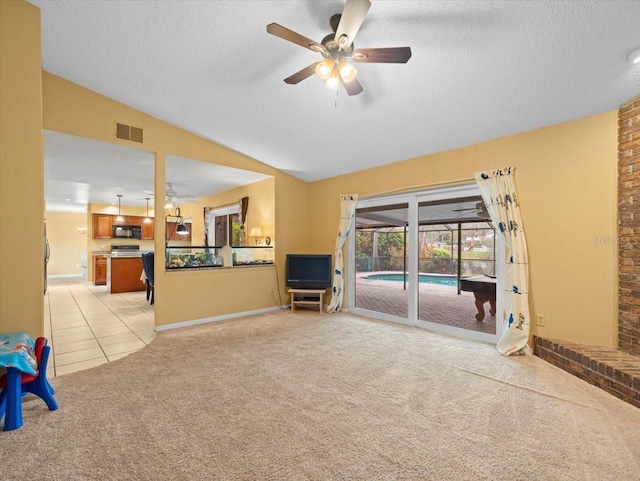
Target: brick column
629,227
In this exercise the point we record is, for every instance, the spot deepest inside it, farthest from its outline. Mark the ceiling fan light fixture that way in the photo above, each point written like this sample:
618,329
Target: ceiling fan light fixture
338,46
347,71
333,81
634,57
324,68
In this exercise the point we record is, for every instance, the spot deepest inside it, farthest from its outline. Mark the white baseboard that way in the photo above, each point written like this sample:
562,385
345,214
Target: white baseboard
206,320
64,276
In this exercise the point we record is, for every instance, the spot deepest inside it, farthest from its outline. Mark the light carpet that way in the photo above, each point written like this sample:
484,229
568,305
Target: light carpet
305,396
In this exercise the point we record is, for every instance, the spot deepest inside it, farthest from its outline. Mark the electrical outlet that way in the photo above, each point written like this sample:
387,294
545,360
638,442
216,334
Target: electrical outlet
540,320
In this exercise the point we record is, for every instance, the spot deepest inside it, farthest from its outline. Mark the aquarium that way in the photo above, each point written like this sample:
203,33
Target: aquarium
193,257
252,255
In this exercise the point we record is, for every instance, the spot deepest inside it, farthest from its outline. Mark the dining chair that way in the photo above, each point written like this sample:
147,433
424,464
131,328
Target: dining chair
83,264
148,266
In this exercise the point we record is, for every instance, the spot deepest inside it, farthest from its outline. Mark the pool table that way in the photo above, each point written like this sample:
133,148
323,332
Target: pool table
484,290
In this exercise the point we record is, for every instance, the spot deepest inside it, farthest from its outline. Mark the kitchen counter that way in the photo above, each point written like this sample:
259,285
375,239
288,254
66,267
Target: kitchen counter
109,254
123,273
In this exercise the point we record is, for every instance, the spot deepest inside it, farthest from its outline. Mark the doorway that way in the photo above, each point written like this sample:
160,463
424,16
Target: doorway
408,254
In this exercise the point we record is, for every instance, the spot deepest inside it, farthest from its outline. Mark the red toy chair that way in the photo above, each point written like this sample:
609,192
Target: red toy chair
31,383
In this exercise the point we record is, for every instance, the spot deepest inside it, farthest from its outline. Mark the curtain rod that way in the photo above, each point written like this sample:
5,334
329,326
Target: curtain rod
424,186
222,206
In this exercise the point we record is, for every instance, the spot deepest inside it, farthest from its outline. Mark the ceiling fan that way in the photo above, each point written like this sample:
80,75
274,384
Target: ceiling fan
337,48
172,198
480,210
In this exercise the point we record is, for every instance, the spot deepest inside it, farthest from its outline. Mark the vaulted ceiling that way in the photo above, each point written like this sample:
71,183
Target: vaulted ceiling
479,70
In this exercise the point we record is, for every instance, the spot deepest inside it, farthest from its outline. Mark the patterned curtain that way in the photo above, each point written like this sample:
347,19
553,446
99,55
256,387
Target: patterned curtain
498,189
348,204
244,206
207,237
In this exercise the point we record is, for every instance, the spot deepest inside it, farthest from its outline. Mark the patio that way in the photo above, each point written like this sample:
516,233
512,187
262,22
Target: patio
436,303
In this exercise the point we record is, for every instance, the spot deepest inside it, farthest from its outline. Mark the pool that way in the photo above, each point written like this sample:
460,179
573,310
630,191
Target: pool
422,278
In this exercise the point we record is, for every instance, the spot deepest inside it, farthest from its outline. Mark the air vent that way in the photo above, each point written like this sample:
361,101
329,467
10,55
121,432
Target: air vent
126,132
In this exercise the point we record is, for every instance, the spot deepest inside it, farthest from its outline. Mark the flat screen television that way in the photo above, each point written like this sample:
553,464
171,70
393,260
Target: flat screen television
308,271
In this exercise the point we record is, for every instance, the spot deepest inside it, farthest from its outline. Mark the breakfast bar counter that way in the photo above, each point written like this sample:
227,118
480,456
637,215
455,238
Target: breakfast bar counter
123,274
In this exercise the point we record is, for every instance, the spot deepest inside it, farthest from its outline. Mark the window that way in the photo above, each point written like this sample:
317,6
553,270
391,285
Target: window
223,226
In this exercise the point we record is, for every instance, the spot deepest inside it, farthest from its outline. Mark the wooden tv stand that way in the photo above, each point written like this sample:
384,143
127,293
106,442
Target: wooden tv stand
309,297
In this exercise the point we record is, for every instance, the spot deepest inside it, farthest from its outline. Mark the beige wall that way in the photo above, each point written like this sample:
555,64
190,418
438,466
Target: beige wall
260,212
21,170
66,241
184,296
566,177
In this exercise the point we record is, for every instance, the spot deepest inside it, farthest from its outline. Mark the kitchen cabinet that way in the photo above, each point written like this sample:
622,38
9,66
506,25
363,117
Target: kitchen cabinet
102,226
127,220
172,232
124,275
100,271
147,230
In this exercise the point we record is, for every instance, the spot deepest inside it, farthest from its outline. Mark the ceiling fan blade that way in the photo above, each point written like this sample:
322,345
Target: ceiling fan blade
291,36
302,74
353,88
350,22
382,55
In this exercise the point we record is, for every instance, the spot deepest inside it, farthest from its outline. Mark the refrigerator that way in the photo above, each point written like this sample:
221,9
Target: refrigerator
47,255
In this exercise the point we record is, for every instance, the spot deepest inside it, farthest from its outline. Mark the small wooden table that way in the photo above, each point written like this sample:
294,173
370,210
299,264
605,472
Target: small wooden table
311,297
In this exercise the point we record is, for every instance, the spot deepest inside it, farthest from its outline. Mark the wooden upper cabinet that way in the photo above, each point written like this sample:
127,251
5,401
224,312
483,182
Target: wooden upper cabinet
102,226
147,230
127,220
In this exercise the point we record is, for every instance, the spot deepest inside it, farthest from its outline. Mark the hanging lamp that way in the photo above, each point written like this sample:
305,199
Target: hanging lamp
147,219
119,218
181,229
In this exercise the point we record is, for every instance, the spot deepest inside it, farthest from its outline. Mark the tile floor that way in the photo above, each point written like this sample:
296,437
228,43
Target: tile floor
87,326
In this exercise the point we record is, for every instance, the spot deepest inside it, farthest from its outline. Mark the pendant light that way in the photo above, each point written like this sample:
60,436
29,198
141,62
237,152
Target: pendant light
147,220
181,229
119,218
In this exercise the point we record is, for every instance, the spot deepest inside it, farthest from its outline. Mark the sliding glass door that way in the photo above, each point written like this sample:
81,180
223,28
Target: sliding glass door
381,243
409,253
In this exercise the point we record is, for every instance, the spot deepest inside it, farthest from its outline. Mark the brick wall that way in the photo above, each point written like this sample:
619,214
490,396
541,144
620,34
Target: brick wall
615,371
629,227
612,370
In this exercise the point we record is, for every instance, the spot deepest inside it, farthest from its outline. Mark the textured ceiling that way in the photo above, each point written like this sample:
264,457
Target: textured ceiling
479,70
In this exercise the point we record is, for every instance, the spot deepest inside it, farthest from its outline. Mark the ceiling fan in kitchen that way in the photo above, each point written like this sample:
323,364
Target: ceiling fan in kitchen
338,49
172,198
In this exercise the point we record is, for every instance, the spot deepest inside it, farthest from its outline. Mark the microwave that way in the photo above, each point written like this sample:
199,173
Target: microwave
127,232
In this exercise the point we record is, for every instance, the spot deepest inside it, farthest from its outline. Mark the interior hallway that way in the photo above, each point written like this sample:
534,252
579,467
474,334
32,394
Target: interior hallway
87,326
